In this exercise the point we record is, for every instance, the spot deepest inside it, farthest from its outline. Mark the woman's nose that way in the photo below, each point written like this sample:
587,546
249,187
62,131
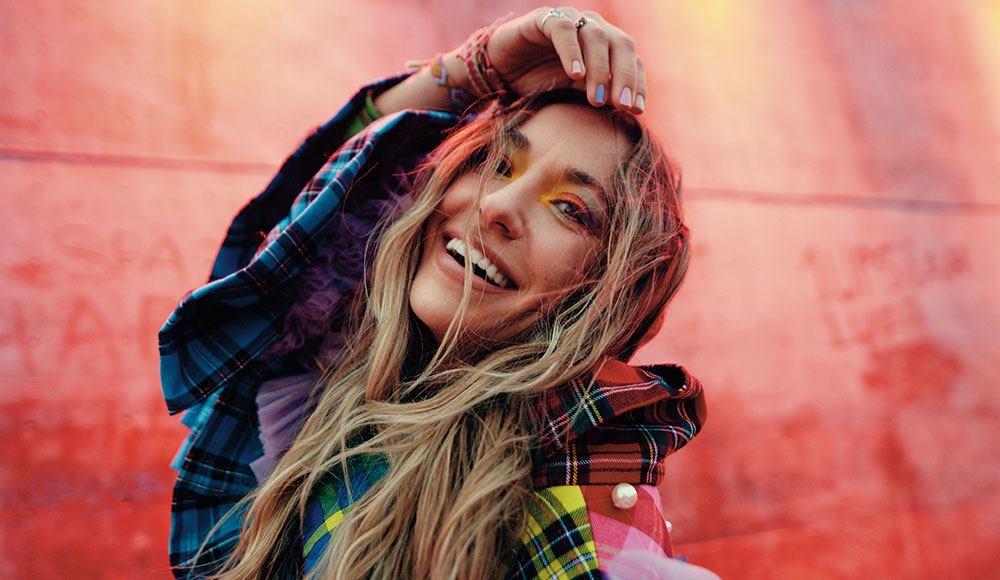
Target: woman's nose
505,209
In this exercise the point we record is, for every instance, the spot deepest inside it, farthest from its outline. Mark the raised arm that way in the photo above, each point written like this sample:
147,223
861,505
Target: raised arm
542,50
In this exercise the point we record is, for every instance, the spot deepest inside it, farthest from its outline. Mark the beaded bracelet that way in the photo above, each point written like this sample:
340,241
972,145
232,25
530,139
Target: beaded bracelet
459,97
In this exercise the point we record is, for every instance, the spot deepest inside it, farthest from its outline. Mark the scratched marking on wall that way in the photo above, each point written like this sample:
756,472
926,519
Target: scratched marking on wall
92,299
870,293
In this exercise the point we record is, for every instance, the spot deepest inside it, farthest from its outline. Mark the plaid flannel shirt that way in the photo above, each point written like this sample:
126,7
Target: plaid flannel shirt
598,431
615,429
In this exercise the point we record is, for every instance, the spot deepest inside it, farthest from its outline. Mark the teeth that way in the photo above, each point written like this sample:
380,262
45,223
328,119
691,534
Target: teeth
455,246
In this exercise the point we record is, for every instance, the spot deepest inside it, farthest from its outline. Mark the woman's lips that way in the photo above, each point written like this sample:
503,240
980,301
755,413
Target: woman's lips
481,265
488,270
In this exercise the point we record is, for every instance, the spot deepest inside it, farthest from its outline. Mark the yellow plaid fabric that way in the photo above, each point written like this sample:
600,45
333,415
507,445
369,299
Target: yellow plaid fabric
557,542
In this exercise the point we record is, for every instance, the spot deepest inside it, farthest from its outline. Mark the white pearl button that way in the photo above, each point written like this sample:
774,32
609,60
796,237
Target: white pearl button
624,496
670,527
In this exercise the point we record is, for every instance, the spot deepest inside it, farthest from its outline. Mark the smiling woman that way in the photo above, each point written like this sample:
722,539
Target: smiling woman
426,378
531,227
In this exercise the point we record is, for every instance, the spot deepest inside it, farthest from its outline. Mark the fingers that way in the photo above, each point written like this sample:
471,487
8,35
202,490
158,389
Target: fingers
613,67
624,73
558,26
597,57
639,103
601,55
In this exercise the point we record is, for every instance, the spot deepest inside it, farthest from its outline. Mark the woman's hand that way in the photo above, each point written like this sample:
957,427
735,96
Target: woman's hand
542,50
552,48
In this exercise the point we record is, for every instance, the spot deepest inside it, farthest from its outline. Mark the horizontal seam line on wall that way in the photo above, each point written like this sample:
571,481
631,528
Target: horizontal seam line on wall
101,159
839,200
693,192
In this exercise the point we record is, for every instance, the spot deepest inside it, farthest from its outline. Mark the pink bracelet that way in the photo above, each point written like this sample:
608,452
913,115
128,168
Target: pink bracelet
484,78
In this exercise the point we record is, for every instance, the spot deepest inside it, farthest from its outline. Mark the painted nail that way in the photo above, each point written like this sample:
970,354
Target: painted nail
599,95
640,102
577,67
626,98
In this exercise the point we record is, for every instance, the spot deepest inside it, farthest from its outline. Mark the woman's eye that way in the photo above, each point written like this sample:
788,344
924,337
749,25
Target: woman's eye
576,212
505,168
479,160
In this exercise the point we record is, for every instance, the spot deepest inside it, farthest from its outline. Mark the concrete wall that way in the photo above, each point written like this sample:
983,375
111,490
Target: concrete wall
841,161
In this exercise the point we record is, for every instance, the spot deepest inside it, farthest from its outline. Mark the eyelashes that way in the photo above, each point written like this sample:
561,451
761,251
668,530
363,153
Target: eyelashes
476,159
479,158
506,168
576,211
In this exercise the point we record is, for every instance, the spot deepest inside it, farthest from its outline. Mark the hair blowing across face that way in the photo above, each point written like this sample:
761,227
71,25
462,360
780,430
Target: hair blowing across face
456,429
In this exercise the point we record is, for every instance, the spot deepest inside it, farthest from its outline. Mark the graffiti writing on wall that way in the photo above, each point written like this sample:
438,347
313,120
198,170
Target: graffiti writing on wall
92,299
84,333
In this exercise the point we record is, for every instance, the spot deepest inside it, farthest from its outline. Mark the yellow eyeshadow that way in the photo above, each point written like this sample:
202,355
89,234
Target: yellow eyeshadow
550,196
561,190
516,160
518,164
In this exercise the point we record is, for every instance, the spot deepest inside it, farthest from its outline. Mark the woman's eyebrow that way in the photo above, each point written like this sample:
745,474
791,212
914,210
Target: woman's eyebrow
585,179
576,176
517,139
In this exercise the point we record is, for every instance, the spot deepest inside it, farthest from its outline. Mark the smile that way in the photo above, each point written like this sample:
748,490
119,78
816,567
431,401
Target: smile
482,267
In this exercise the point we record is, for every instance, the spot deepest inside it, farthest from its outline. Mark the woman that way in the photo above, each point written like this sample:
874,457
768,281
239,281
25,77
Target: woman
451,376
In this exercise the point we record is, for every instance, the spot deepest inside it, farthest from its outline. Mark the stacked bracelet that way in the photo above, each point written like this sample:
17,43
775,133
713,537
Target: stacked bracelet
485,79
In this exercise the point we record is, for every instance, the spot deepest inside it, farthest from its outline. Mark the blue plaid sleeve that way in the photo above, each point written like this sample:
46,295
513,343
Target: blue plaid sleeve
211,347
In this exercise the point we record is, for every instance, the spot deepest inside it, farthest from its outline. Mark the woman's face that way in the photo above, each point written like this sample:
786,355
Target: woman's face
535,232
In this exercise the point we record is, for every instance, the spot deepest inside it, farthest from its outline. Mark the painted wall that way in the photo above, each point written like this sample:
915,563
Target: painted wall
841,163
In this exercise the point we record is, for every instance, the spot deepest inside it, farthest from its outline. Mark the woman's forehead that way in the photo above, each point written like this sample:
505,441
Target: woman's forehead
582,139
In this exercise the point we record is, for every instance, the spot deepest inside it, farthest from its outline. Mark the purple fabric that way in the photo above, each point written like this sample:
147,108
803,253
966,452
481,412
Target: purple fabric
647,566
327,284
282,408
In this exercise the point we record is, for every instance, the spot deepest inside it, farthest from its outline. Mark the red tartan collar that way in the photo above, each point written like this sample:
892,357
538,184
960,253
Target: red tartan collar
618,425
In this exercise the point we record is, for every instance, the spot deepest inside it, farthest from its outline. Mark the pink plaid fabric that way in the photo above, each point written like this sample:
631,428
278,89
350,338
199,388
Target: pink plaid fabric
639,528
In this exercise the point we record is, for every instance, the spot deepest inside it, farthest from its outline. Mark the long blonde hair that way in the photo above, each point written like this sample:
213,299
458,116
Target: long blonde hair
456,430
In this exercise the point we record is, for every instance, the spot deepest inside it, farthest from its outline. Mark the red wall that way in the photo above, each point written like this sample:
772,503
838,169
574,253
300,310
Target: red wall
841,164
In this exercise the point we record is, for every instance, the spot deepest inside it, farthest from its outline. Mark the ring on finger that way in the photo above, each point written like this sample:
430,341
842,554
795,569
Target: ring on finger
583,20
553,13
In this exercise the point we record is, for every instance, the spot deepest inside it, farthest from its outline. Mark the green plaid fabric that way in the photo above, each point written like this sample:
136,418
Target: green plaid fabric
332,501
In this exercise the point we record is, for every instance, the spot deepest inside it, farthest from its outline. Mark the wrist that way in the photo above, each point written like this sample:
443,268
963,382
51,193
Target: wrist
458,75
451,75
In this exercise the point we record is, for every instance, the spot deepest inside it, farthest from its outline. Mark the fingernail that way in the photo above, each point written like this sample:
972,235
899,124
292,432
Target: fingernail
640,103
577,67
626,98
599,95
